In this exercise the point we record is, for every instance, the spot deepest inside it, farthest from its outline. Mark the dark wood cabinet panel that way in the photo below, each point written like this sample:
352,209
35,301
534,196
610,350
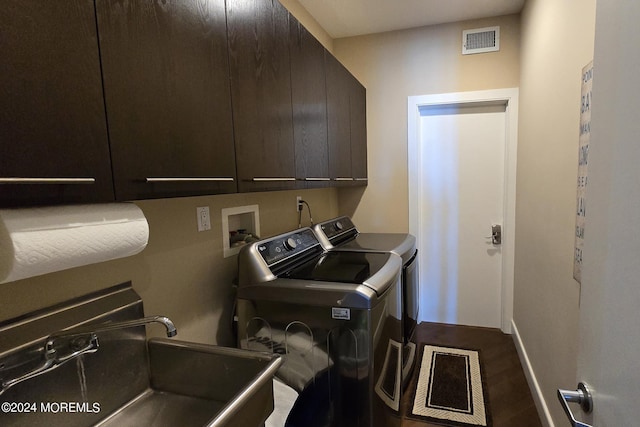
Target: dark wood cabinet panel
338,120
53,122
258,32
358,115
126,100
309,99
167,94
347,125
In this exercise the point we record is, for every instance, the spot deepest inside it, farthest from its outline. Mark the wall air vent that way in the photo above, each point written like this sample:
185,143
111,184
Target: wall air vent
480,40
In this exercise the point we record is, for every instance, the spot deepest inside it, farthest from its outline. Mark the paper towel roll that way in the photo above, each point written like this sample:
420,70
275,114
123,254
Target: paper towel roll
37,241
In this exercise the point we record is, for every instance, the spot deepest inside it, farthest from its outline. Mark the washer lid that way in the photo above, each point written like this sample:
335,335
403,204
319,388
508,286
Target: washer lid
310,293
375,270
402,244
341,234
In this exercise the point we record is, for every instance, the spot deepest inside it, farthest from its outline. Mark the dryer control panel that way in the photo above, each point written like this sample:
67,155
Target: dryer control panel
338,229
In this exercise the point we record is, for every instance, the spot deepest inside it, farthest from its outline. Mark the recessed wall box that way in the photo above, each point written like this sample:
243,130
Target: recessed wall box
239,225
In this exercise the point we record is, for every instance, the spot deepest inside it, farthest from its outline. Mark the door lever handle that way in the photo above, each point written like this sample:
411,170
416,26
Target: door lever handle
581,396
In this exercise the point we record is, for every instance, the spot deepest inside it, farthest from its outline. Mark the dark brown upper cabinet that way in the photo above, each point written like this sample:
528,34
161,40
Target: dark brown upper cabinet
53,135
258,32
309,99
122,100
346,111
166,83
358,126
339,122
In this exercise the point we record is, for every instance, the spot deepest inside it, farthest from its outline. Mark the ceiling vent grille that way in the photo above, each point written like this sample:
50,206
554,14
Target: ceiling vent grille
481,40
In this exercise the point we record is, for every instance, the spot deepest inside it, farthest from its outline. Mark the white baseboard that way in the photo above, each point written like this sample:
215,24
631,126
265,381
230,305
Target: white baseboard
536,392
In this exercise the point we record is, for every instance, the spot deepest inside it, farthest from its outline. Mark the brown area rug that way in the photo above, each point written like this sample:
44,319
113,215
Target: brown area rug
450,389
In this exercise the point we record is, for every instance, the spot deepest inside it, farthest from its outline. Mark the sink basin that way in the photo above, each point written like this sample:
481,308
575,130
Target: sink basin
201,385
129,380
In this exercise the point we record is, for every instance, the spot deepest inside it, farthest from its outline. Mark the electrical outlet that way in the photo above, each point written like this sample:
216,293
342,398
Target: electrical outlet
204,218
298,203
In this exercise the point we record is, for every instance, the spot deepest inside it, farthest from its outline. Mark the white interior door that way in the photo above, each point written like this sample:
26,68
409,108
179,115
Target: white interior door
462,151
461,177
610,294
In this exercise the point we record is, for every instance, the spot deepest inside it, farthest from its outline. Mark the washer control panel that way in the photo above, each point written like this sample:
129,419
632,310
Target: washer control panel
287,246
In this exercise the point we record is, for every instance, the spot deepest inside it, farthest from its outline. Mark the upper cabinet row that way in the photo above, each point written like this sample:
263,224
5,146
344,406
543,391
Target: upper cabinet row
131,100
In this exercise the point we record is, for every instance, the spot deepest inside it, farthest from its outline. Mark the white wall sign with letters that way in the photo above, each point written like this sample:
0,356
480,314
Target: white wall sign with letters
583,161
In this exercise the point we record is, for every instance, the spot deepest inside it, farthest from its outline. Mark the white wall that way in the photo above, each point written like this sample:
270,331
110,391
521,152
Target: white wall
556,43
610,296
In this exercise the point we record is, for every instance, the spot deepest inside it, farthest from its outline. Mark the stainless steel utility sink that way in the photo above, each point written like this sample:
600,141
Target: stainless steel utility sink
200,385
88,363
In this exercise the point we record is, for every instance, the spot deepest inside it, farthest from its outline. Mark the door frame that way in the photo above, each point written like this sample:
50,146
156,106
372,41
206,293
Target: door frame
509,98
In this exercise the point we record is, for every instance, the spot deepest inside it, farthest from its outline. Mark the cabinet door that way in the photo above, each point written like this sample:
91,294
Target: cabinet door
358,126
53,132
258,32
167,93
339,127
309,96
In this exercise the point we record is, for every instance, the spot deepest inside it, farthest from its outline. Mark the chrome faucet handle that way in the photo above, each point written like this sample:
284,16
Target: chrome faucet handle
52,360
91,346
46,365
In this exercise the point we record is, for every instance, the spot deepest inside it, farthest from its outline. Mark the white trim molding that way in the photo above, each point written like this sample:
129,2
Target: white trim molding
509,98
536,391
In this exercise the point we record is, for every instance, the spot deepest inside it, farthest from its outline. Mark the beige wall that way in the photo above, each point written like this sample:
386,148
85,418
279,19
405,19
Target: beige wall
557,41
395,65
182,273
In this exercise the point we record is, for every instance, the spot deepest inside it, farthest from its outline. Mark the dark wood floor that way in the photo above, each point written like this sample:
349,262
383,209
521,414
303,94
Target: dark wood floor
509,396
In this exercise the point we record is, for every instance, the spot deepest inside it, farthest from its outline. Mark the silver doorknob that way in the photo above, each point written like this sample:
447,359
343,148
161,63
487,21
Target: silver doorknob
581,396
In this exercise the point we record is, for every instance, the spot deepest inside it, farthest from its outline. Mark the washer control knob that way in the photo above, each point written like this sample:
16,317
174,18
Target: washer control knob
290,244
339,226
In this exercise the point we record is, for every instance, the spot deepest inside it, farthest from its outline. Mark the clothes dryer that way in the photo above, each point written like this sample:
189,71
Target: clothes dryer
340,235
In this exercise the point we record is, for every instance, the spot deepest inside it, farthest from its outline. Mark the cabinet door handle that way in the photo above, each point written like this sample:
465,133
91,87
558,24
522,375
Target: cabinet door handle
47,180
221,179
362,179
272,179
343,179
317,179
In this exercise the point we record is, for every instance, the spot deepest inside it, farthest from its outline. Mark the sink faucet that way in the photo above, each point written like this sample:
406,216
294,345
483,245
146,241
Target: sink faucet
94,329
84,339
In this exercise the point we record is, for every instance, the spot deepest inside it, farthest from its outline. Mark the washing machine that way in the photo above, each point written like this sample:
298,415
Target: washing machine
341,235
336,319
